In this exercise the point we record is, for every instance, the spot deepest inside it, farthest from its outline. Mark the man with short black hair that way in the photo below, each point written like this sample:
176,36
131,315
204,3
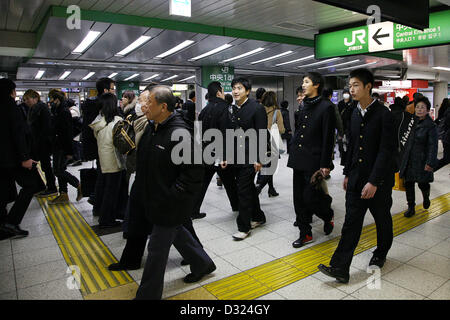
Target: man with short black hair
259,94
369,177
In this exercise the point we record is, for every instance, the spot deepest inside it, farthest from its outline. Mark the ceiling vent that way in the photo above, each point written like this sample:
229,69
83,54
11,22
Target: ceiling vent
294,26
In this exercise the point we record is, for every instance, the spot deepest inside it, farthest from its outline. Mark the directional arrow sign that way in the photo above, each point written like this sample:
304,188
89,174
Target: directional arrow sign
377,36
381,36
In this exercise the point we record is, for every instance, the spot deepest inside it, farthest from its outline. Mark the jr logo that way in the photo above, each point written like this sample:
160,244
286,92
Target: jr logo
357,34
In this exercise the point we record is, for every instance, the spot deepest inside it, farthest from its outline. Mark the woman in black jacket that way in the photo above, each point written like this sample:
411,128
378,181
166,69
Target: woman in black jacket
420,156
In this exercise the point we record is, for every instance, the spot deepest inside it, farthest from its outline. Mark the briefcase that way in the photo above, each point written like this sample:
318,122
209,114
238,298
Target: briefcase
88,178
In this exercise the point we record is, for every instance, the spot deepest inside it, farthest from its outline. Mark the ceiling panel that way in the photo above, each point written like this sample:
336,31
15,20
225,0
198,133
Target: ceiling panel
4,5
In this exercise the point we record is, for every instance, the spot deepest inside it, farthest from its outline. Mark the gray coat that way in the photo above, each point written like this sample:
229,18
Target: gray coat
421,149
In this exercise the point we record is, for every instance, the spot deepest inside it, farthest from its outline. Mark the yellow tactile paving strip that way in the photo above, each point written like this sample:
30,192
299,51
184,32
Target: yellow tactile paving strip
81,247
264,279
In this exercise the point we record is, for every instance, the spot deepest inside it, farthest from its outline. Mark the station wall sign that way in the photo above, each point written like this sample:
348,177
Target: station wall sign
223,74
384,36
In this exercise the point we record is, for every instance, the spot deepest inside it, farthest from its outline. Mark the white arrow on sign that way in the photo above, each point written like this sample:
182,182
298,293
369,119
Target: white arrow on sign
381,36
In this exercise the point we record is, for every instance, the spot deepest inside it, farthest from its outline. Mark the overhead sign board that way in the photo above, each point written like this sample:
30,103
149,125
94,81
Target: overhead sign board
180,8
384,36
223,74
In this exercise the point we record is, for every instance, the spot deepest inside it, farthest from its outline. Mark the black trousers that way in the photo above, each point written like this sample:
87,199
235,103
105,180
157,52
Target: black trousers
356,208
161,239
305,203
228,181
59,169
445,159
411,194
249,207
46,167
112,197
30,183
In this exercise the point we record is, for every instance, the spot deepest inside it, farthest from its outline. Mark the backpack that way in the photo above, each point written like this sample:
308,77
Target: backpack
124,136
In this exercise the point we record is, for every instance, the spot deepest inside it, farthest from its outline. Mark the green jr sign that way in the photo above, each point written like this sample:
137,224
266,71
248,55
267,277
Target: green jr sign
384,36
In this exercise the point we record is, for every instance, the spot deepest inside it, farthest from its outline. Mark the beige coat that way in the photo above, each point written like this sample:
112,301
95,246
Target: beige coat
269,111
110,160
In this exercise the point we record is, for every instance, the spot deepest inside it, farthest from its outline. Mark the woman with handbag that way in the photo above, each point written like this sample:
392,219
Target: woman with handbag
274,117
420,156
112,197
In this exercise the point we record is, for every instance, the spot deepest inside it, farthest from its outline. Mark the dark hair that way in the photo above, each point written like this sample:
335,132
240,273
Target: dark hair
327,92
71,103
375,95
345,91
364,75
299,89
213,88
242,81
405,99
444,106
229,98
150,86
164,94
7,86
30,93
269,99
109,109
284,104
398,101
259,93
129,95
57,94
192,95
102,84
417,95
316,79
424,100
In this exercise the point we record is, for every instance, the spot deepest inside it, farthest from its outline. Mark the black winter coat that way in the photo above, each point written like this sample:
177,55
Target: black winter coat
189,107
421,149
40,122
446,127
90,110
371,150
15,136
312,146
62,124
167,190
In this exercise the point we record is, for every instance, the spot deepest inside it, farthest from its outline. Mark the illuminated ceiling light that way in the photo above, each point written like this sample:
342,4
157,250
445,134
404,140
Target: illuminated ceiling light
175,49
187,78
87,41
65,75
90,74
317,63
339,64
274,57
170,78
112,75
39,74
152,77
442,68
136,44
132,77
243,55
209,53
358,66
296,60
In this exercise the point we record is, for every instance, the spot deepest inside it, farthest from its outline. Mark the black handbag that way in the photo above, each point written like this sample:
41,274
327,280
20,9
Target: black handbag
88,178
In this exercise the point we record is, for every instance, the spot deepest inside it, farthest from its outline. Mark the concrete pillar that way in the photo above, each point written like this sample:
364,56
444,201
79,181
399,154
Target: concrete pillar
440,91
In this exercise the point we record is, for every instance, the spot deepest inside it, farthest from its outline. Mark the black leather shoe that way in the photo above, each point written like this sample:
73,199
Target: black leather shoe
426,199
14,230
273,193
120,267
303,240
199,215
377,261
339,275
410,212
192,277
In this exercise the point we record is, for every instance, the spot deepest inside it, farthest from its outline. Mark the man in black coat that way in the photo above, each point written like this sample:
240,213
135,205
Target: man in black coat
40,122
167,189
16,164
311,149
250,117
215,116
189,106
369,177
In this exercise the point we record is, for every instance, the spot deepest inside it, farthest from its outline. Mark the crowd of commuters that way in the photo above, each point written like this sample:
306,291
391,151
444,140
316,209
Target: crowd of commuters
165,195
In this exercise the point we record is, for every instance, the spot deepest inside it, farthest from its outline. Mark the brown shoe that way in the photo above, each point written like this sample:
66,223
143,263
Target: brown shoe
79,193
63,198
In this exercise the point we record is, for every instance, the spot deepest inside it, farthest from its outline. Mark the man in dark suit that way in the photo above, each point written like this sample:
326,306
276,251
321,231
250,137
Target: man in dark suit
311,149
369,177
189,106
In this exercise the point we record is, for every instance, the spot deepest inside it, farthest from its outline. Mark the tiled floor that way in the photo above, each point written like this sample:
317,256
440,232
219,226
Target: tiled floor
418,265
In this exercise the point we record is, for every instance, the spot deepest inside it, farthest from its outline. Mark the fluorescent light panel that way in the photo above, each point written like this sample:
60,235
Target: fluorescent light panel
152,77
170,78
90,74
65,75
296,60
339,64
112,75
87,41
209,53
188,78
358,66
273,57
244,55
139,42
132,77
317,63
442,68
39,74
175,49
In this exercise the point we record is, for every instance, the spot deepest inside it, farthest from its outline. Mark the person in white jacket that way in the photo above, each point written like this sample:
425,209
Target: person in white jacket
113,195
